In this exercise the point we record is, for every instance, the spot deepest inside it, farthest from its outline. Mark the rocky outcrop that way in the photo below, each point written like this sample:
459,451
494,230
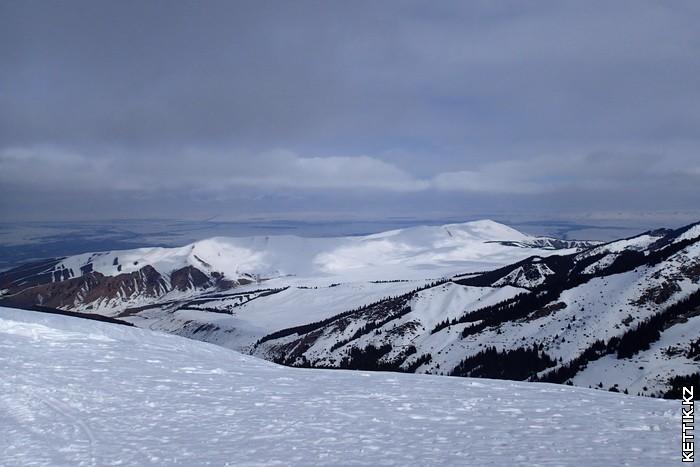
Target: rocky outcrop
188,278
92,287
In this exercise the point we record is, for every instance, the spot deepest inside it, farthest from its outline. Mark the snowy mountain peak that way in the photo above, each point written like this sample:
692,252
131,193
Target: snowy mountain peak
467,246
115,280
463,299
487,229
481,230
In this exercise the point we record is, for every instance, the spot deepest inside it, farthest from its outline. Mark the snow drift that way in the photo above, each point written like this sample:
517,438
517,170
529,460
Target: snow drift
77,392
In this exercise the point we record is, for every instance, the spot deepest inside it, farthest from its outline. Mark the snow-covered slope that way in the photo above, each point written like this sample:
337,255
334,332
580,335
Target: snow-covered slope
393,301
239,318
76,392
556,319
412,253
263,284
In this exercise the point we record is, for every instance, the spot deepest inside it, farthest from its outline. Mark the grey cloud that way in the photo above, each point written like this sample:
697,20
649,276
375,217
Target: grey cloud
320,106
280,170
38,166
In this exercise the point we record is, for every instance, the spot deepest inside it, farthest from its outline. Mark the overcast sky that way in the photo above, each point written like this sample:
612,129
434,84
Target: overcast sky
299,109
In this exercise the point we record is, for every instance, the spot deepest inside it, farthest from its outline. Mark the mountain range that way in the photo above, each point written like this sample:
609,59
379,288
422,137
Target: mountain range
474,299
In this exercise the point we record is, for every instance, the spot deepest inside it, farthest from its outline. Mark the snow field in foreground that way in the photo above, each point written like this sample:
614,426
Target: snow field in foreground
76,392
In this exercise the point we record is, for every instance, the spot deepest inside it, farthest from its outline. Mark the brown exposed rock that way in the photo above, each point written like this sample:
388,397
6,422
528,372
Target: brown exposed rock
187,278
91,287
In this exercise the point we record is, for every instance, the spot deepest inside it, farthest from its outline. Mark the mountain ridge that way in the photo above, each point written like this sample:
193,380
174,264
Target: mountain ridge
226,262
462,299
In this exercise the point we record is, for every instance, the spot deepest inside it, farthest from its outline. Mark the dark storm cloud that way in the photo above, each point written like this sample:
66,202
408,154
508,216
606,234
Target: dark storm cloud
331,107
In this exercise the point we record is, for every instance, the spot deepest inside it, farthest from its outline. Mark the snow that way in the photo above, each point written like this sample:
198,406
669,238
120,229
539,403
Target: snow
306,280
306,268
451,300
649,369
638,243
427,308
601,264
76,392
411,253
519,276
596,310
692,232
242,325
